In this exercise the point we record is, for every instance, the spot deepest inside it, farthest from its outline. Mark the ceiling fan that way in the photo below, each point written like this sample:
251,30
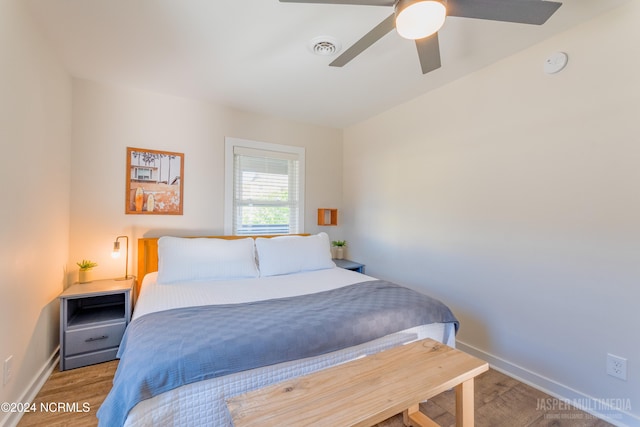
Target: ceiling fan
420,20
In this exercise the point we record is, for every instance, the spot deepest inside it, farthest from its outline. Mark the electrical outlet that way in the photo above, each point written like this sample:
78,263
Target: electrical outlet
7,370
617,366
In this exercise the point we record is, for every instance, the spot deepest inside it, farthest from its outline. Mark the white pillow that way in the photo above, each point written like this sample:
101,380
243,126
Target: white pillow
293,254
184,259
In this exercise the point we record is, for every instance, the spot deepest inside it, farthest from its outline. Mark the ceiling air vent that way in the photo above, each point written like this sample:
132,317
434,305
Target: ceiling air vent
324,46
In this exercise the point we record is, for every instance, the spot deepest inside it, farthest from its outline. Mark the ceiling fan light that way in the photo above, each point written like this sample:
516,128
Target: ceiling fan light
416,19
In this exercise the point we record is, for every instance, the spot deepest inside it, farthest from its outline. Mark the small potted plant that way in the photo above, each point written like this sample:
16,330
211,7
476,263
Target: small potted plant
339,245
85,273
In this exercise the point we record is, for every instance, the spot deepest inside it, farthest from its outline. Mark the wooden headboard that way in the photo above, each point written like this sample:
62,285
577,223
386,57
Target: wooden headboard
148,252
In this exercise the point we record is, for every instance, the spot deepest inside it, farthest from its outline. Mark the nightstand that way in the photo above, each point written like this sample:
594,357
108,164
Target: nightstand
93,317
349,265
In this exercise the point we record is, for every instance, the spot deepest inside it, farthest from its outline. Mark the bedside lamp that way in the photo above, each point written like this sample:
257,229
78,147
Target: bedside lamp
116,254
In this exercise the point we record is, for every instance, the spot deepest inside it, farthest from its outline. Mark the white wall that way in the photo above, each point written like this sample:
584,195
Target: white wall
514,196
35,134
108,119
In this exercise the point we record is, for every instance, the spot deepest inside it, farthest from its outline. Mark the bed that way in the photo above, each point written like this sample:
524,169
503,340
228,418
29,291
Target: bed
220,316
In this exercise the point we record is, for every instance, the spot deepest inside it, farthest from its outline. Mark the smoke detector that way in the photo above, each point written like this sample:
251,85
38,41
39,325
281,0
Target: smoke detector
555,62
324,46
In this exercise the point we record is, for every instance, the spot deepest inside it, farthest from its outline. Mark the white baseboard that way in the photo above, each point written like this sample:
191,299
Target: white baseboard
553,388
34,387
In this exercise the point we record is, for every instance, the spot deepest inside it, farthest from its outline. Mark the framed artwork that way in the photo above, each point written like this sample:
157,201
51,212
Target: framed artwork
154,182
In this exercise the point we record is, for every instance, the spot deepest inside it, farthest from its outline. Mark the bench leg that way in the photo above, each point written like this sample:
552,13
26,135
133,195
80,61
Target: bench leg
412,417
464,404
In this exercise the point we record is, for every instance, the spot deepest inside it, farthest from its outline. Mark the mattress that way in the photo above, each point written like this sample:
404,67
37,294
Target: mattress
203,403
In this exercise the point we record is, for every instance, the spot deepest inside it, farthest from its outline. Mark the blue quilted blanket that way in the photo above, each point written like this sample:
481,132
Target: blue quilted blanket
164,350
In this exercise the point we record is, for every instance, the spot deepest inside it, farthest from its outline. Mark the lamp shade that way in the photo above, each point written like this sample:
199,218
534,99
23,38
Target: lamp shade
116,250
416,19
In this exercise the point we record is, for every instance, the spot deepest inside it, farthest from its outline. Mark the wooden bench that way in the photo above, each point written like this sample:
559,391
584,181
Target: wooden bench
366,391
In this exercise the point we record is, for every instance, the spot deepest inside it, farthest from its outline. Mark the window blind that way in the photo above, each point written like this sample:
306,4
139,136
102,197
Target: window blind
266,192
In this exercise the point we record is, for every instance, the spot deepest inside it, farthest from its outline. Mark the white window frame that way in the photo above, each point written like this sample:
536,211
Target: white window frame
136,173
230,144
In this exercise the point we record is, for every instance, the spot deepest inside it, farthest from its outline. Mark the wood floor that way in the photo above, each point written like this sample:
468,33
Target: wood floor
500,401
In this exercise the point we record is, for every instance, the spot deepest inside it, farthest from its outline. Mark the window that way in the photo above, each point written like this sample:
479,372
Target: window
264,188
142,174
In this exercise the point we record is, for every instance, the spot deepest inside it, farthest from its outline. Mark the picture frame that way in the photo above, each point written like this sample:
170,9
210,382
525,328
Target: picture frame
154,182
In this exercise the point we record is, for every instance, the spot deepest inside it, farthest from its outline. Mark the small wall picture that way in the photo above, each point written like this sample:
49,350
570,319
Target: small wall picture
154,182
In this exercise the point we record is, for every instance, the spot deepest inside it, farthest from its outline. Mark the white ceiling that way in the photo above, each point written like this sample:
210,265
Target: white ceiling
254,54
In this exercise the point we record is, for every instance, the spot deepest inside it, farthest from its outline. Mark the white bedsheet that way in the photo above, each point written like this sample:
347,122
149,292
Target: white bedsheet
203,403
158,297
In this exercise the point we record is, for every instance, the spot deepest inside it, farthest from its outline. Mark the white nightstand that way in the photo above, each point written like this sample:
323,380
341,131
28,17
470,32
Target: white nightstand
93,317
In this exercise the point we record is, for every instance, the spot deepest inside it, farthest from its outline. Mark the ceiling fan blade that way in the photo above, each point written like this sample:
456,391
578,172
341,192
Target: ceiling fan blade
429,53
381,30
520,11
356,2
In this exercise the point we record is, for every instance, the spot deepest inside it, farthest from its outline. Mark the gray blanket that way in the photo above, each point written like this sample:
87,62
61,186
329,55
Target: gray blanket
164,350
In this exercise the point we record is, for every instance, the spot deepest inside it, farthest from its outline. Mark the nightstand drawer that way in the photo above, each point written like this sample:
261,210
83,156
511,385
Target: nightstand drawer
92,339
90,358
